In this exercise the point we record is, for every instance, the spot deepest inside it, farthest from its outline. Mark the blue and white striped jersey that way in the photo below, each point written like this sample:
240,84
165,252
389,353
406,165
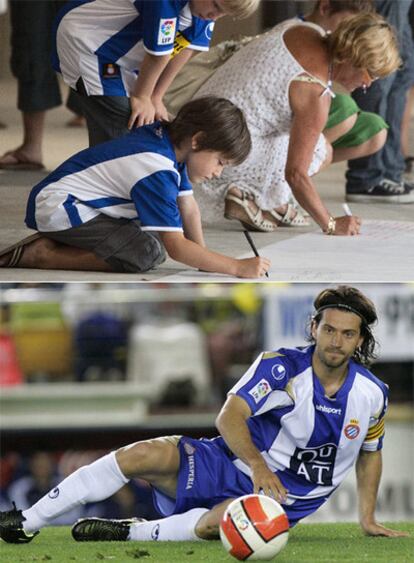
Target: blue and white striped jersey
105,41
310,441
134,177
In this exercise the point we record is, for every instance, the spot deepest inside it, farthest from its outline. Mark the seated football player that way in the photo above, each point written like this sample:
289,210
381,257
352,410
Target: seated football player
292,428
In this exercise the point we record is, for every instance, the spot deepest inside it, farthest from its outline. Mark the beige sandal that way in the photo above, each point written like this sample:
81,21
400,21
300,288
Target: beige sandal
290,219
239,208
17,250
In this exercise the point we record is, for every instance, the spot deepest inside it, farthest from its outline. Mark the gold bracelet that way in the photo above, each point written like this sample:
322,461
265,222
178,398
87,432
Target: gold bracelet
330,229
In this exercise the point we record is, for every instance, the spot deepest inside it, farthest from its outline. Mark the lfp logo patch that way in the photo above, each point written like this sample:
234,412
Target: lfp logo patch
352,430
166,31
260,390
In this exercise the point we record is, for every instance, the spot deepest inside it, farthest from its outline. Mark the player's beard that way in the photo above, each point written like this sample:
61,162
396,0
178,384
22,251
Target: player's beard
331,363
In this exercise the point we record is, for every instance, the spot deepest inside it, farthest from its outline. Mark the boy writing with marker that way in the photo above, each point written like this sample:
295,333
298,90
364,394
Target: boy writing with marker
120,205
121,55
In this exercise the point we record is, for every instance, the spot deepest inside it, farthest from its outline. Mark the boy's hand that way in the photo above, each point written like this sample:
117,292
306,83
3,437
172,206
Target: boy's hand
142,111
160,109
252,267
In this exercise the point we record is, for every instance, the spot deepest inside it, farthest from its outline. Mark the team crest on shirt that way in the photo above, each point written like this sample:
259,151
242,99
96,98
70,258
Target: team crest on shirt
209,30
166,31
110,70
352,429
278,372
260,390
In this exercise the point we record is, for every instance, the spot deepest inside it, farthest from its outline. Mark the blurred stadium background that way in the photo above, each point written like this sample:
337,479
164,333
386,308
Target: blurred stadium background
85,368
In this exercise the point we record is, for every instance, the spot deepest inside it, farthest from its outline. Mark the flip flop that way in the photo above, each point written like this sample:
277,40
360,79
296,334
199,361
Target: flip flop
17,250
21,162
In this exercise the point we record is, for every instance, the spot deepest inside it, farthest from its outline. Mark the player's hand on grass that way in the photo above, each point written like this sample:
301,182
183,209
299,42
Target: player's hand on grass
265,481
161,112
142,111
347,225
252,267
374,529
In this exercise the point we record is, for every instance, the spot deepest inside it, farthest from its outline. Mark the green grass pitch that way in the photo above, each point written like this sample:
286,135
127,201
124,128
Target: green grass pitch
315,543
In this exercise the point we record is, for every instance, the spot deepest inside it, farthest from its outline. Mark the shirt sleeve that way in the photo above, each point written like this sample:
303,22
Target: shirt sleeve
155,199
159,20
186,187
376,430
269,373
199,34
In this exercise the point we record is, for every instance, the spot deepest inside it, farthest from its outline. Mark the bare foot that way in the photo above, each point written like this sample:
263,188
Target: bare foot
76,121
21,159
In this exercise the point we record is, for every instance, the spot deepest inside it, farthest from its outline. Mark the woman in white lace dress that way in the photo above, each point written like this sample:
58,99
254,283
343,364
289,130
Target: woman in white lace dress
282,80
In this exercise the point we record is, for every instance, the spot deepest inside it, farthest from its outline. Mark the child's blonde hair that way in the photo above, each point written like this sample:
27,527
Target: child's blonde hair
368,42
240,8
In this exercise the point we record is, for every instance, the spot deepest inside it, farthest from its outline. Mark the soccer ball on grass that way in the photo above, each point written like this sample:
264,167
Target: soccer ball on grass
254,527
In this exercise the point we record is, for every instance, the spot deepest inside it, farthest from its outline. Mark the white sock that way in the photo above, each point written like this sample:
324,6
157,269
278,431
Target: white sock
89,483
180,527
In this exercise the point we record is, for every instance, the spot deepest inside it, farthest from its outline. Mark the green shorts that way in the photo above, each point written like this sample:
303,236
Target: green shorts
367,124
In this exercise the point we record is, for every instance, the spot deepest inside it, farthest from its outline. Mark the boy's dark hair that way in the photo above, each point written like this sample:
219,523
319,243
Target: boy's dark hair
350,5
222,126
346,298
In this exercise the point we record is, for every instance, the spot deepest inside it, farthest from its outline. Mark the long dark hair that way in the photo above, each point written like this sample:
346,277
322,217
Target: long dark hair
347,298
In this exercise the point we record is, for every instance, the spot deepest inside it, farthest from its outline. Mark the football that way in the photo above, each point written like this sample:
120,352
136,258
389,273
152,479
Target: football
254,527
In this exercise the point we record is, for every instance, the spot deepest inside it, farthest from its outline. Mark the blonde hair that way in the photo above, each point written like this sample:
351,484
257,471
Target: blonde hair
240,9
366,41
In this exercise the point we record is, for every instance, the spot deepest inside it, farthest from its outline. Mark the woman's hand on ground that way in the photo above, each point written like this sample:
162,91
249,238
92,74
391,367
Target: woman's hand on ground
347,225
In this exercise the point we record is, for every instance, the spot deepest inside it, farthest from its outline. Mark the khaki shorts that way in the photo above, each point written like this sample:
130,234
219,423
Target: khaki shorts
120,242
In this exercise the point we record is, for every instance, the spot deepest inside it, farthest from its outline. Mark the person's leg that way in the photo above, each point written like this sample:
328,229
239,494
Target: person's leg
193,525
370,146
392,153
405,125
74,104
47,254
106,116
38,88
29,154
337,131
156,461
102,244
196,524
384,96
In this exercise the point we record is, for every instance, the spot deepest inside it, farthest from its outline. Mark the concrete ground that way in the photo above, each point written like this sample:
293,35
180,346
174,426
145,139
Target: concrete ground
223,236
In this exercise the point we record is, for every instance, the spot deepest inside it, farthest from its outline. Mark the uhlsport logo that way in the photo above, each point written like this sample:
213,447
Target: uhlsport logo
260,390
278,372
328,410
166,32
54,493
209,30
352,429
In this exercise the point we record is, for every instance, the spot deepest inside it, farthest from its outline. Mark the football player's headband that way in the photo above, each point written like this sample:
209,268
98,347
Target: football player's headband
345,308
